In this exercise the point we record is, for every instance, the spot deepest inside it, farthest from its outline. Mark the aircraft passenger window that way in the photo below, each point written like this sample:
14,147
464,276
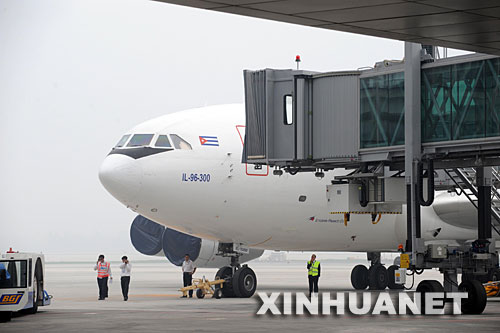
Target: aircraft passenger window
288,109
122,141
180,143
163,142
139,140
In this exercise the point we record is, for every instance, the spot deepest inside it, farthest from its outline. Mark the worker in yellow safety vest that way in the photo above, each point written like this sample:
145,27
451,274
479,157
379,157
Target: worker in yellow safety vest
314,272
103,269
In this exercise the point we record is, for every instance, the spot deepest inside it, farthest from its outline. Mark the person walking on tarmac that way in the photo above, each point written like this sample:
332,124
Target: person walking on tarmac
188,269
125,267
103,269
313,273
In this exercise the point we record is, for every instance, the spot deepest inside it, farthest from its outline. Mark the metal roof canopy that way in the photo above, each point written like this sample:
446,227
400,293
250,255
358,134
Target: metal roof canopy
461,24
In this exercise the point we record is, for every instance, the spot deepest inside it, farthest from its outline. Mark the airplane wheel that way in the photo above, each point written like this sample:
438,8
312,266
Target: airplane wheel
227,287
244,282
391,279
377,277
199,293
359,277
428,286
476,301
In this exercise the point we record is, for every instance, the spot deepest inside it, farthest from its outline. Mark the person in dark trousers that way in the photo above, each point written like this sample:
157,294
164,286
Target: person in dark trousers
103,269
313,273
188,269
126,268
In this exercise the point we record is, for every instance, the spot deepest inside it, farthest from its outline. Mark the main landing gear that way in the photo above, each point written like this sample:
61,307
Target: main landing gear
376,277
241,281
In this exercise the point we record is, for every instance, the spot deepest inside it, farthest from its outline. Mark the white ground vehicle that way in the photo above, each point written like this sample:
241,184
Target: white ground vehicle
21,283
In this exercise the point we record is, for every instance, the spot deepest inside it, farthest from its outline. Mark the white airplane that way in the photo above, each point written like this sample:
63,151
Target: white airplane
184,171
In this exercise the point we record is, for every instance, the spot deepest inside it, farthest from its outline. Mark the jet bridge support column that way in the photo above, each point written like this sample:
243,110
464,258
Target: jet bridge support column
483,181
413,146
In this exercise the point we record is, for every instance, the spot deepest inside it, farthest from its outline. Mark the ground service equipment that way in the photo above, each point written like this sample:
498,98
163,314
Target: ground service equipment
22,283
204,287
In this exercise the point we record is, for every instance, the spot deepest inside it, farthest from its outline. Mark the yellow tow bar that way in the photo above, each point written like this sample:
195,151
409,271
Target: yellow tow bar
205,287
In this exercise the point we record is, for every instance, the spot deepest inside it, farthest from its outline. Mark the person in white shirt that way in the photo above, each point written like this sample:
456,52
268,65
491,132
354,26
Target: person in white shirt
125,267
188,269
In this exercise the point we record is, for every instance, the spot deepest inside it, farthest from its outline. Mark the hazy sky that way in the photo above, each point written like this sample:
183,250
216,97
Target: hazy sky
76,74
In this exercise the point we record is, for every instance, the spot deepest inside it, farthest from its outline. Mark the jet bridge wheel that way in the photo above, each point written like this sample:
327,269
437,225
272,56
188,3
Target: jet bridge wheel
225,273
428,286
244,282
476,300
377,277
359,277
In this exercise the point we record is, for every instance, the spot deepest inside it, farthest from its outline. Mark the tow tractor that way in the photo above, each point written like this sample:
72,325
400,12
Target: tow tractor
22,283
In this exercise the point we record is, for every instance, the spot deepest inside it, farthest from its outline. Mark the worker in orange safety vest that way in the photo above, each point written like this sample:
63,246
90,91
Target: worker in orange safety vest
103,269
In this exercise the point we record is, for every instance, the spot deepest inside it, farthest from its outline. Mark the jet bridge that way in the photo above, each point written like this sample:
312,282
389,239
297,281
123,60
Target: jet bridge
394,125
307,120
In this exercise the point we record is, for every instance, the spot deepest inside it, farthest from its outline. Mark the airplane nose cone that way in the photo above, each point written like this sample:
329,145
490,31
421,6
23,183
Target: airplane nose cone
121,176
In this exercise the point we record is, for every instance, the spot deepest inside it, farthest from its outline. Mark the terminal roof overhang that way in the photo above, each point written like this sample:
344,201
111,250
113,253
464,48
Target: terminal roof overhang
472,25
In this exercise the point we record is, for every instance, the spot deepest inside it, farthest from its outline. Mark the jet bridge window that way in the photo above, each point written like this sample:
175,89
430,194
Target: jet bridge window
122,141
163,142
382,110
180,143
288,109
139,140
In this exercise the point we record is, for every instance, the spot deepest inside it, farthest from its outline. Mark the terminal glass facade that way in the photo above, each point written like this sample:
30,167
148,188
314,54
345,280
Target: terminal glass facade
460,101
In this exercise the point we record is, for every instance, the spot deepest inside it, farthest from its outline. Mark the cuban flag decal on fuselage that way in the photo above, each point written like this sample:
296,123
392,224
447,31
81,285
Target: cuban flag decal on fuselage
209,141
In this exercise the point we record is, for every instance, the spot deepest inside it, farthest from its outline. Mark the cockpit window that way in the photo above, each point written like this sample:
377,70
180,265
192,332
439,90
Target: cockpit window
140,140
163,142
180,143
122,141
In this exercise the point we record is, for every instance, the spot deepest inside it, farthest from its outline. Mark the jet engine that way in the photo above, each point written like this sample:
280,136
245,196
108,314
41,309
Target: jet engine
153,239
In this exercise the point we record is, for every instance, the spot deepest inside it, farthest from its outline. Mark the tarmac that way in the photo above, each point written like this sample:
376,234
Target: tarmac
155,305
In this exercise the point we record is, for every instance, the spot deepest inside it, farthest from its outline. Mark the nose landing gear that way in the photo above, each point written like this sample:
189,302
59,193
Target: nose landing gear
241,281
